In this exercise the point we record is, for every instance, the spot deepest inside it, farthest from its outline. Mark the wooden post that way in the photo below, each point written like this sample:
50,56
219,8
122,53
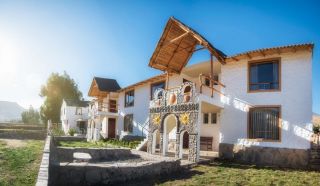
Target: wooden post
211,74
167,81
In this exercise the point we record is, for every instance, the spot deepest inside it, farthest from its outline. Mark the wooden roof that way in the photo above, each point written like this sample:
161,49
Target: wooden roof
270,51
177,44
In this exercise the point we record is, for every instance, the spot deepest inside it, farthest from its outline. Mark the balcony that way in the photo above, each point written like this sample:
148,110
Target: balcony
99,108
209,90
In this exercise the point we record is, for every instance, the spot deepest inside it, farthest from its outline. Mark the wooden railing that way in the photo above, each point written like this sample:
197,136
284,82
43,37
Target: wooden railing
100,106
202,80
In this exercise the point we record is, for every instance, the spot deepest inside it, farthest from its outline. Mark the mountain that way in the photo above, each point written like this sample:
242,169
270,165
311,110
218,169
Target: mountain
316,118
10,111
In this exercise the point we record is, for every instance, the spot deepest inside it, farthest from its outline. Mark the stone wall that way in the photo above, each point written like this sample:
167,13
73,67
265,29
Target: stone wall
282,157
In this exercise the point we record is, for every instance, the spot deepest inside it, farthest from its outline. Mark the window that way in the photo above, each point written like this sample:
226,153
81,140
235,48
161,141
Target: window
213,118
129,98
264,123
264,75
205,118
157,85
113,106
78,111
128,123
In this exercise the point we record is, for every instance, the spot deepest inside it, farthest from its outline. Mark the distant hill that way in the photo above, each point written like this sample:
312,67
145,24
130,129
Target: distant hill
10,111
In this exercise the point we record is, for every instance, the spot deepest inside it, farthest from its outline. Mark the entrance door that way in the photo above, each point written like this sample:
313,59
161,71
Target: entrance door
111,128
185,140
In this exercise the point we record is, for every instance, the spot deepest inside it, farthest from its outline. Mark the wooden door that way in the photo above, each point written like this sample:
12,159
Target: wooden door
111,128
185,140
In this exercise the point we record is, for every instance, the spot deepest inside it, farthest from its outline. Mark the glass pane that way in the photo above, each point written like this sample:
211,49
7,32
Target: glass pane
264,76
155,86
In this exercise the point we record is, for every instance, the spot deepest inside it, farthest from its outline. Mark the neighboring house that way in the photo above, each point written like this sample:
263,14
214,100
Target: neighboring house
255,106
74,114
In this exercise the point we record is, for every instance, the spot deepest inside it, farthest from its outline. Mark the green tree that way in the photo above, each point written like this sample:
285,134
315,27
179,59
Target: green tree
30,116
57,88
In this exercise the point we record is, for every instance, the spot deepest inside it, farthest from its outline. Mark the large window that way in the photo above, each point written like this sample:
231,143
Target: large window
129,98
157,85
128,123
264,123
264,75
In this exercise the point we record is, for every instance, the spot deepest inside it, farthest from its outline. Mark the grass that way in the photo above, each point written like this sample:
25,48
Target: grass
226,173
20,166
100,144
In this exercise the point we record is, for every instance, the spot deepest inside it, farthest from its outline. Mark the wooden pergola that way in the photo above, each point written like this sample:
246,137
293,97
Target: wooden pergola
176,46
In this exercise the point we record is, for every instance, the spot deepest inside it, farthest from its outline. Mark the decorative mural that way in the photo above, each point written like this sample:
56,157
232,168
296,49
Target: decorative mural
182,102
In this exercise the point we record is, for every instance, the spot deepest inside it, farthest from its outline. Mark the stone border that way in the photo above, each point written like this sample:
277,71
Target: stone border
43,175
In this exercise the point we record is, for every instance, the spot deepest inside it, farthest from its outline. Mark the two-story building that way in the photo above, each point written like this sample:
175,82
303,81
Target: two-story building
74,115
254,106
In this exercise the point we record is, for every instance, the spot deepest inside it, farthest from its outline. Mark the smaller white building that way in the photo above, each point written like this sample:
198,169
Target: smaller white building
74,114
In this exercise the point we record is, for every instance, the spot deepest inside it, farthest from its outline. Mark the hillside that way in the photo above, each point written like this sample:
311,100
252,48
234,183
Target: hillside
10,111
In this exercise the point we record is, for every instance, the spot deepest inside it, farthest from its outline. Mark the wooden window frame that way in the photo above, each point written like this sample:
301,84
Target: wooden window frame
261,61
125,98
279,123
154,83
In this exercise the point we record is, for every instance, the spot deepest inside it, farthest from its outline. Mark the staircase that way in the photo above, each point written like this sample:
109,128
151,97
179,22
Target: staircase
144,132
314,160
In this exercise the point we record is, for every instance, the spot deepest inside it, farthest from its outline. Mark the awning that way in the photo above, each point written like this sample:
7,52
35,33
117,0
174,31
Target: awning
176,46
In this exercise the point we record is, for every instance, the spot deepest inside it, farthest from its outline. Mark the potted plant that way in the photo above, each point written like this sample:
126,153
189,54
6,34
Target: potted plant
72,131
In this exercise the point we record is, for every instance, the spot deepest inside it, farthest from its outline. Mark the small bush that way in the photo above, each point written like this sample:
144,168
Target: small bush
57,132
72,131
316,129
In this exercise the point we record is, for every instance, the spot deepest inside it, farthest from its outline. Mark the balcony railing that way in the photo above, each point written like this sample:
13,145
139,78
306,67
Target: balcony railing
214,85
97,107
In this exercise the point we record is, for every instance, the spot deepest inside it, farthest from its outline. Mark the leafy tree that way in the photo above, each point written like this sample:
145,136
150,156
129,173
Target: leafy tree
30,116
57,88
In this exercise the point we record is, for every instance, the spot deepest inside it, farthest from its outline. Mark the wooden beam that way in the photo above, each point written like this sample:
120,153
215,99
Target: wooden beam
167,81
234,58
264,55
199,49
175,39
248,55
278,51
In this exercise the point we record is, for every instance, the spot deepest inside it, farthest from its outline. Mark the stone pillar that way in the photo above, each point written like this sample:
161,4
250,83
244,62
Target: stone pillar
150,142
161,144
193,148
177,145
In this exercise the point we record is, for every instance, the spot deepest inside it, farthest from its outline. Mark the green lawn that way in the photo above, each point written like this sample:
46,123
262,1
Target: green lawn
224,173
20,165
100,144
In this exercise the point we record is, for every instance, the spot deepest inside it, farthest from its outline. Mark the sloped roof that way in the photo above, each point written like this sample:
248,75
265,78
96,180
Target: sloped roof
100,87
108,85
76,103
176,46
271,50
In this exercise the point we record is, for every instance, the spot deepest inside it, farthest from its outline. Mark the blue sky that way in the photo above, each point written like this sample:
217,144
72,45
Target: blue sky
116,39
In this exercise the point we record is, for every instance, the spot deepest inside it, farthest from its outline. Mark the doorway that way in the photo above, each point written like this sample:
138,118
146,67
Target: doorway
111,128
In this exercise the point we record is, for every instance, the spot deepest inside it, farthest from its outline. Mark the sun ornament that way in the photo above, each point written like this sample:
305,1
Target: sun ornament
156,119
184,118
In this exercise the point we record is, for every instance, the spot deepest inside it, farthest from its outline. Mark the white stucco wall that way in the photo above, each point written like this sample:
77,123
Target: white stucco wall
295,99
69,118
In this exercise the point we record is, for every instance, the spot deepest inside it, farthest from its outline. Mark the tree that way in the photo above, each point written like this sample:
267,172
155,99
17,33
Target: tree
57,88
30,116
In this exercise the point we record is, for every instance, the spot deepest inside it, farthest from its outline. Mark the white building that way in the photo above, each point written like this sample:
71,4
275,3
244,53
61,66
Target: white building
74,114
255,106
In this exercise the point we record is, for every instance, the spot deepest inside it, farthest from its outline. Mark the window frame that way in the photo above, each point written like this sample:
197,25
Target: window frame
155,83
125,98
279,123
216,114
124,121
261,61
208,114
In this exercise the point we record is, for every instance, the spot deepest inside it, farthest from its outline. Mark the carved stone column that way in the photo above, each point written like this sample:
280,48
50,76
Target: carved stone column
150,143
193,148
161,144
177,145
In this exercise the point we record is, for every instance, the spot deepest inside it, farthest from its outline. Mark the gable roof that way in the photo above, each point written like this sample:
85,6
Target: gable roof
102,86
176,46
76,103
108,85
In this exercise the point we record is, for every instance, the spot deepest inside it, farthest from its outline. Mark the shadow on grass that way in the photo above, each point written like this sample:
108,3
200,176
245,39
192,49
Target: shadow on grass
240,165
180,175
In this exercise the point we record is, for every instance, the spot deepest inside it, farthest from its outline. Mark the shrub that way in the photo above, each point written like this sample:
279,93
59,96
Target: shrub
316,129
57,132
72,131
